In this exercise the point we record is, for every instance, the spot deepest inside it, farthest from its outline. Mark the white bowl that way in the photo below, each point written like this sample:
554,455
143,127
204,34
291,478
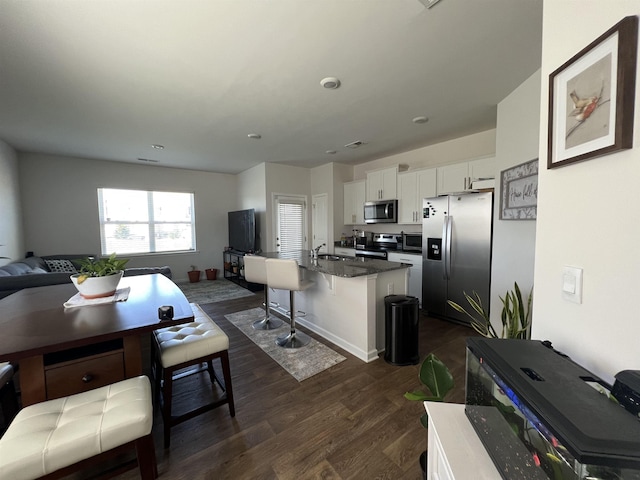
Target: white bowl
97,287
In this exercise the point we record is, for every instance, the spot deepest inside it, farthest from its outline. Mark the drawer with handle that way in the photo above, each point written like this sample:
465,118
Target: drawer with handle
80,375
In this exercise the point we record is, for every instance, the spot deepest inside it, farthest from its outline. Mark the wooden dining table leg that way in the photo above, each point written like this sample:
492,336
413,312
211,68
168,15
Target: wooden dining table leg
33,388
132,356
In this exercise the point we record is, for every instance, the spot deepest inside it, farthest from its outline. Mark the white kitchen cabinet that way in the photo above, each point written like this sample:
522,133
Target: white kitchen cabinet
354,198
454,449
382,184
412,188
347,252
415,272
459,177
482,169
453,178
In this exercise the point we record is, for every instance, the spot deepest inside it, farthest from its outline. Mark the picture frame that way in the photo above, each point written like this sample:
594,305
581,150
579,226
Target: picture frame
519,192
592,96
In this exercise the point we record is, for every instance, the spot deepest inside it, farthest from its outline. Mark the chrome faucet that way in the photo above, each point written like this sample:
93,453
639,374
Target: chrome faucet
316,251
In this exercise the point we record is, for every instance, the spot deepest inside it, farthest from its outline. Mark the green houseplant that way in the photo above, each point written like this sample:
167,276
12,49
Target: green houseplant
515,317
99,278
438,380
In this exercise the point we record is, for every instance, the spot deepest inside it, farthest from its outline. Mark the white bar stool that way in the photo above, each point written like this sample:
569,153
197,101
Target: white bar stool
285,275
255,271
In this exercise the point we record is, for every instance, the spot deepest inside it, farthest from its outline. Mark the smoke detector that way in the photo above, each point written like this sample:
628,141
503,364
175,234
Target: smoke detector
330,82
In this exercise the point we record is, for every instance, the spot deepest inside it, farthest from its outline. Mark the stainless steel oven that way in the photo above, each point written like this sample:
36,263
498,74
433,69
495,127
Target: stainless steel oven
377,254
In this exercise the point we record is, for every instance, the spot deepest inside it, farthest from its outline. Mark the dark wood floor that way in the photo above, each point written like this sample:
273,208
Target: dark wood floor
348,422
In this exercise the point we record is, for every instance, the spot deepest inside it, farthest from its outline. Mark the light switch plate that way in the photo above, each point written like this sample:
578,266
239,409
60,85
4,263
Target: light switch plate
572,284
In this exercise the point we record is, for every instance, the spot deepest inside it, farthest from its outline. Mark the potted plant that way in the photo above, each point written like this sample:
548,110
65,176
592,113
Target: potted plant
211,273
194,274
437,378
515,317
99,278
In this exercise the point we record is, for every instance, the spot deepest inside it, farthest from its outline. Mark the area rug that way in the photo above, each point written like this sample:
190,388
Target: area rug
300,363
211,291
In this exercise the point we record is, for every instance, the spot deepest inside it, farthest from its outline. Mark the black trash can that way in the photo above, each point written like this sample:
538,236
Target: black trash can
401,330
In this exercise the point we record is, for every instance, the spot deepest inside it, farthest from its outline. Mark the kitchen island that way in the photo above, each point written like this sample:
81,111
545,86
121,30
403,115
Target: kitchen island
346,304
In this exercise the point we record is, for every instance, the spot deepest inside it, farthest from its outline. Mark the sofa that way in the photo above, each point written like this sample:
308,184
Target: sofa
36,271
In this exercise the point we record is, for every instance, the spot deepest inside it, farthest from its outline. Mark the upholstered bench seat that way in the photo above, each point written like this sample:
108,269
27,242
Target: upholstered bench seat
192,344
190,341
49,436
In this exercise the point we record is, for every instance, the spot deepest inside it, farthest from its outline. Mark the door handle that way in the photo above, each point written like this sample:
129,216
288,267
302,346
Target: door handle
447,266
444,248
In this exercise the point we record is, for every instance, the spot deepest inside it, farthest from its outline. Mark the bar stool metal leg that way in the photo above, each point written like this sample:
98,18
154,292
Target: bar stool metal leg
293,339
268,322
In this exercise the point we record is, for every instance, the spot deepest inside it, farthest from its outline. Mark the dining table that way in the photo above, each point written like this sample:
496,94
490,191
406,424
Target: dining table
61,350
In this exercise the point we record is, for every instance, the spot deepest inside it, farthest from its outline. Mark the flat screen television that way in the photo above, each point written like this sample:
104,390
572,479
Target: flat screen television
242,230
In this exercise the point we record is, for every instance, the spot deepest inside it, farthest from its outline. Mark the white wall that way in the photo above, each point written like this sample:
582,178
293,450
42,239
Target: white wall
252,193
61,210
11,233
517,140
452,151
588,217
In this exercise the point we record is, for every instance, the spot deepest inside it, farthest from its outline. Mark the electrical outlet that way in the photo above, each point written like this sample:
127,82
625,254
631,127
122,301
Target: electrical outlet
390,289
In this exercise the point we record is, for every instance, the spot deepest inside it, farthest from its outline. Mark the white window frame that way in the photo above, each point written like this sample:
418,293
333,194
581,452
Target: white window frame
289,198
151,222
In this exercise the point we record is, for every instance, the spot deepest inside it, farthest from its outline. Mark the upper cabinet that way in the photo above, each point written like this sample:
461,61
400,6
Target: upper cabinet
354,198
412,188
459,177
381,184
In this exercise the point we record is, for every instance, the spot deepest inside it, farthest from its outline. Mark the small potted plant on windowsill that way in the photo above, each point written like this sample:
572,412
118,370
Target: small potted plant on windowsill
99,278
194,274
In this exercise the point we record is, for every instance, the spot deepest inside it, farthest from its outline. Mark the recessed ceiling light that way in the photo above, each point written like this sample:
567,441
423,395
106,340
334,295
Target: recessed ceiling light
330,82
355,144
255,136
157,146
330,152
420,120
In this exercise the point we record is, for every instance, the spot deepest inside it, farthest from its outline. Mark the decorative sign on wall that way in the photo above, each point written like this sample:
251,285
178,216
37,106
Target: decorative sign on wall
591,98
519,192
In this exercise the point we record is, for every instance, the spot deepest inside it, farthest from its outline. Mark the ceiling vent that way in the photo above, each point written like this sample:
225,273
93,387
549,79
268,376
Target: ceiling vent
428,3
355,144
148,160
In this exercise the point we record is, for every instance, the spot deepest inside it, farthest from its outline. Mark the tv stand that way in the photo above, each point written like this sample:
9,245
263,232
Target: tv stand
233,262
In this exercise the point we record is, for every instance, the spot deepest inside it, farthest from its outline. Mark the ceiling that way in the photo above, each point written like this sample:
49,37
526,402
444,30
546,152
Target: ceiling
107,79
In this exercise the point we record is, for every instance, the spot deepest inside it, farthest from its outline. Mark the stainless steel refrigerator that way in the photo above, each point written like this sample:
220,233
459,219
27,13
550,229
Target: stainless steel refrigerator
456,252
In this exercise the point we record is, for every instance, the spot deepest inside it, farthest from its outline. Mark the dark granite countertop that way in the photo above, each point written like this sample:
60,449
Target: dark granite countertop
345,267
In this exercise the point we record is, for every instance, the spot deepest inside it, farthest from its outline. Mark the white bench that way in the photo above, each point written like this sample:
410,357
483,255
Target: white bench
57,437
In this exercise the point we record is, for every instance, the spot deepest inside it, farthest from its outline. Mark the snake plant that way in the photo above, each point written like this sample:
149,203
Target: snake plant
515,317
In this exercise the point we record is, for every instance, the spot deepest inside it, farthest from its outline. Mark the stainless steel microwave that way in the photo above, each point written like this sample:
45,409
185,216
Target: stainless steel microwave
411,242
381,211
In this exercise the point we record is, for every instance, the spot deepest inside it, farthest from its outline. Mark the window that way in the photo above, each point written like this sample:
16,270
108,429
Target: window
291,223
137,221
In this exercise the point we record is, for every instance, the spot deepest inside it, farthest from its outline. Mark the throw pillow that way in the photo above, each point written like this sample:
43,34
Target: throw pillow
60,266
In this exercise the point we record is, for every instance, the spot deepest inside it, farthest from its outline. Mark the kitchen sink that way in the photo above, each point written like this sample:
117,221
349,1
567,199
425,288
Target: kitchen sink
327,256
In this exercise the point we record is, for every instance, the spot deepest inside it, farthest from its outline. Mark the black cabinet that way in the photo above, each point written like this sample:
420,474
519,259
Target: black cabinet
234,270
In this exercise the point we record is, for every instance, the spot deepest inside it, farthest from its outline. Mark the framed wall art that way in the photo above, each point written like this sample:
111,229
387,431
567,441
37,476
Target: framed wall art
519,192
591,98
